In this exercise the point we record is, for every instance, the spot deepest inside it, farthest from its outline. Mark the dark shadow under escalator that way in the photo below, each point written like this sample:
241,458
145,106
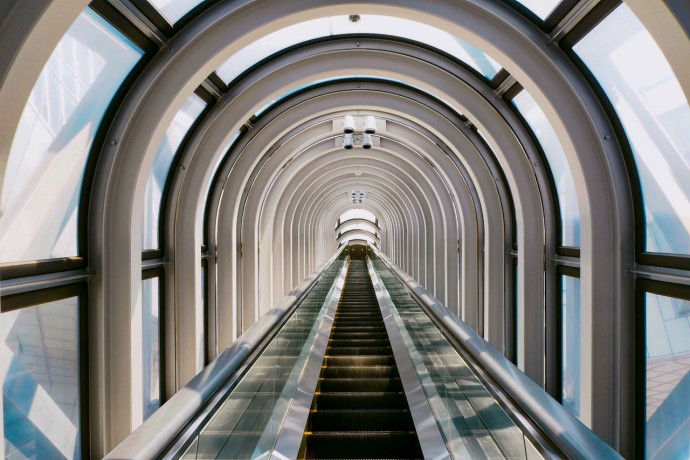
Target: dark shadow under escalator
359,409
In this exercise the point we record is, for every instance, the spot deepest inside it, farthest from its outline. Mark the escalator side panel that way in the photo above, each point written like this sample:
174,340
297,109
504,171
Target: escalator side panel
250,417
474,424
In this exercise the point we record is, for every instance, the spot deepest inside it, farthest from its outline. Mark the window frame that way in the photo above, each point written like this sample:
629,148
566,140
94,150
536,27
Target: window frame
549,23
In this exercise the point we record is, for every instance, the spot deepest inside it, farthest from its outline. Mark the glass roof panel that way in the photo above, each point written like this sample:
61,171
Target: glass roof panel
216,165
42,178
206,193
562,176
167,150
541,8
174,10
368,24
654,111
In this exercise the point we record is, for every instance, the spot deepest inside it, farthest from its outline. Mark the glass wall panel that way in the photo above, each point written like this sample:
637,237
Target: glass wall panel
651,105
203,309
667,427
151,307
174,10
368,24
214,170
41,180
39,371
518,313
183,120
563,177
207,190
571,334
541,8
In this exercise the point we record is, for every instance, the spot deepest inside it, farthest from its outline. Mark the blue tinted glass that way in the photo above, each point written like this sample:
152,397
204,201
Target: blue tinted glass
150,292
183,120
667,428
206,193
570,296
174,10
655,114
39,372
541,8
43,177
563,177
203,309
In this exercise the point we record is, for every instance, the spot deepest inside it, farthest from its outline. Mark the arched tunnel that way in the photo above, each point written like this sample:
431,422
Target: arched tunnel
182,180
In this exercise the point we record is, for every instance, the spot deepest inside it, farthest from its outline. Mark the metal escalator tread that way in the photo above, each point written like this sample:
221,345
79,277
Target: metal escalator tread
359,408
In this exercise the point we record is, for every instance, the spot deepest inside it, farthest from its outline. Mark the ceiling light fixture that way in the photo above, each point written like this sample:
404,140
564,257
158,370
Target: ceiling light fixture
348,141
369,124
366,141
358,131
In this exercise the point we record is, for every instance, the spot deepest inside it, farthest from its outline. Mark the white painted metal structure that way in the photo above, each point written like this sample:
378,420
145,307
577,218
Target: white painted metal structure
457,183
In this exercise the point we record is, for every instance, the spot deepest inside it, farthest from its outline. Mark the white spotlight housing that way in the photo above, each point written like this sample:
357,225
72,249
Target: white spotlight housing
348,141
370,125
349,124
366,141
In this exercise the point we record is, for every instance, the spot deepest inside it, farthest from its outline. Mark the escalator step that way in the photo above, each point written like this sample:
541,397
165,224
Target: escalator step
354,371
359,335
360,315
360,385
363,420
333,351
372,328
358,343
371,360
373,400
363,444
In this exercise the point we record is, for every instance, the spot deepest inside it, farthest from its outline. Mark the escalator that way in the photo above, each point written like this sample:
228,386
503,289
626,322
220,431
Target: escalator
361,362
359,408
